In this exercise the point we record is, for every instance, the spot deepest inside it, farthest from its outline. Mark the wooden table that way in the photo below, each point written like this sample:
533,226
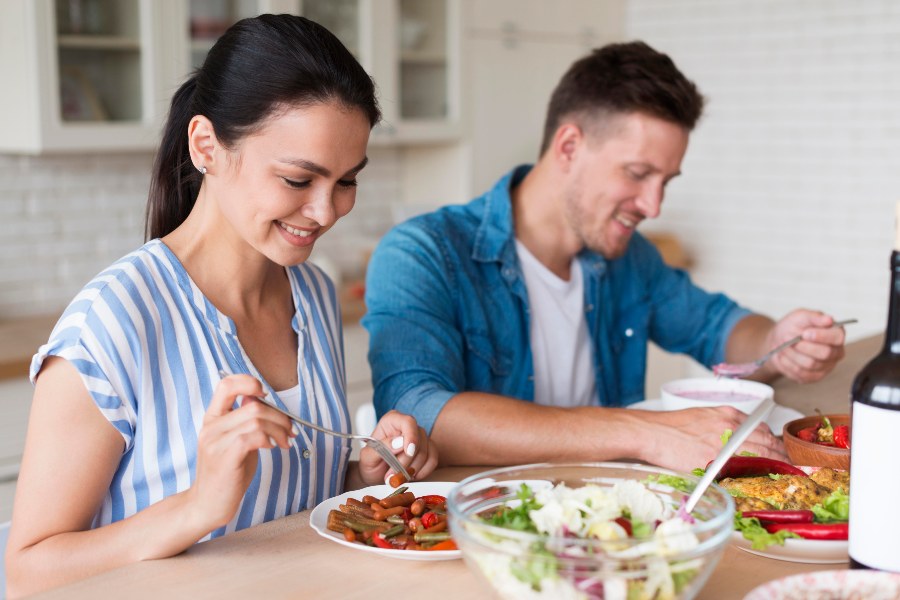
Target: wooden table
288,559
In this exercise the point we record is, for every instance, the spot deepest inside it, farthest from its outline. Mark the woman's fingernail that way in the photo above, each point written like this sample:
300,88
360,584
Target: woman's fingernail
294,429
397,442
387,477
411,450
272,441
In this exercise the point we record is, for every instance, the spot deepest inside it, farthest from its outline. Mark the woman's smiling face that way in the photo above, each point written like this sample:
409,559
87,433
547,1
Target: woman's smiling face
287,184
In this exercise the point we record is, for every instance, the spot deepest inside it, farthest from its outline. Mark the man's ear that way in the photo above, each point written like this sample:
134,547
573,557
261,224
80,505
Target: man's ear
202,143
566,142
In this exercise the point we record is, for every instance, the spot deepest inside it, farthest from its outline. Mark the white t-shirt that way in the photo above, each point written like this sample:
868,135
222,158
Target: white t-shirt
560,345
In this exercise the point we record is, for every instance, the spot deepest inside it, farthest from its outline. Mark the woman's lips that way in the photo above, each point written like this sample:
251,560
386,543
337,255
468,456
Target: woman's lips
296,236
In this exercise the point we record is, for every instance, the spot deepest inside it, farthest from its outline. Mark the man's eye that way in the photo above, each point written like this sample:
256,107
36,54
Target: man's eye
296,184
349,183
638,175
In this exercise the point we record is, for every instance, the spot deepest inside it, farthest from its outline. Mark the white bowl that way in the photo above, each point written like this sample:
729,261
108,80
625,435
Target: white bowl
707,391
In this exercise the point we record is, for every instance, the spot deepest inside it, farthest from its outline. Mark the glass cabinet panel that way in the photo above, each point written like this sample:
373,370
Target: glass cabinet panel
422,44
340,17
210,19
99,60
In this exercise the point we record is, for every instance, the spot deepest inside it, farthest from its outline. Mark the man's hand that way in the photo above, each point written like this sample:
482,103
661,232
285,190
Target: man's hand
685,439
816,354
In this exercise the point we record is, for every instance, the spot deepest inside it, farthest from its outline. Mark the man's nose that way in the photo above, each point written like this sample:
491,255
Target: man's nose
650,201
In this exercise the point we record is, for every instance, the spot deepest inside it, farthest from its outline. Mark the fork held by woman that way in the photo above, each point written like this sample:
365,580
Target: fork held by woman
369,441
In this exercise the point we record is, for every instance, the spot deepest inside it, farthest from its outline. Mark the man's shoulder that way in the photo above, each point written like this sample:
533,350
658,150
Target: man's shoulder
451,223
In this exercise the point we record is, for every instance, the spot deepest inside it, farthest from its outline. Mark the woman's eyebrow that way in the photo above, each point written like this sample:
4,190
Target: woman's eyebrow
319,169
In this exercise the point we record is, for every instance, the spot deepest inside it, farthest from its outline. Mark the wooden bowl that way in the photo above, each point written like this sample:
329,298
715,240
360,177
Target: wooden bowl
810,454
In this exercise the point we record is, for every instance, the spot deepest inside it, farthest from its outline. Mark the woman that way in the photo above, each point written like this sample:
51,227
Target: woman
259,158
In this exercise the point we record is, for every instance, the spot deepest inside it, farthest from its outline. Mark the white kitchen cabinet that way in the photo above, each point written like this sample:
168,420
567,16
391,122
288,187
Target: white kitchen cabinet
98,75
410,47
87,74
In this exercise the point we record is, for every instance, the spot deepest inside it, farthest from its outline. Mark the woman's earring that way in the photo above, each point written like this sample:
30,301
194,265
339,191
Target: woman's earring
202,170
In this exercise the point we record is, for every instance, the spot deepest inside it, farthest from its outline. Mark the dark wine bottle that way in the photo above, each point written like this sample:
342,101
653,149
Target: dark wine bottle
875,445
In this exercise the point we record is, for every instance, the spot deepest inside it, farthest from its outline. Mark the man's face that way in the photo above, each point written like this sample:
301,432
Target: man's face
618,177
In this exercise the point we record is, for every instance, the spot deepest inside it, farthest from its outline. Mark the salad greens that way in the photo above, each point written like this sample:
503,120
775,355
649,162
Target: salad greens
645,547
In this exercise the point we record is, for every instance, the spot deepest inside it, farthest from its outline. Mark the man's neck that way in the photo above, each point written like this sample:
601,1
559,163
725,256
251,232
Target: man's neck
540,221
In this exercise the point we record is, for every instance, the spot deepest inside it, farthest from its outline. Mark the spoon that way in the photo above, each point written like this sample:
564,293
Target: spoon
737,438
745,369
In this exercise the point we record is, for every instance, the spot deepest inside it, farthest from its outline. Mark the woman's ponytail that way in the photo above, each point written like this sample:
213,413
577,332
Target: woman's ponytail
175,182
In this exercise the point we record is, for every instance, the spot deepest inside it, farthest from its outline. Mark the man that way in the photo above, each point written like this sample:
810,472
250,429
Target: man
515,328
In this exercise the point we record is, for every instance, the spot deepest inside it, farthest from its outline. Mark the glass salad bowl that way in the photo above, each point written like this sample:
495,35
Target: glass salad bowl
591,530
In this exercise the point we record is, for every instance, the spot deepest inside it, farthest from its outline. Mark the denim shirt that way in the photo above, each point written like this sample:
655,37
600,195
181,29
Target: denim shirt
448,311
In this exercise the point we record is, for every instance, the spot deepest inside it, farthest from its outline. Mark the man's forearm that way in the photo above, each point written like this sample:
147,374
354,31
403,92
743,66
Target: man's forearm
486,429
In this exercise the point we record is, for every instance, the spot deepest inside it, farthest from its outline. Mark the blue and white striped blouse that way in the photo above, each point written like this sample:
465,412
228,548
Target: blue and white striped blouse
149,346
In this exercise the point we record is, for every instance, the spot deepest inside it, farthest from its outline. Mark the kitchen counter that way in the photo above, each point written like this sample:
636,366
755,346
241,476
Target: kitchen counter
19,339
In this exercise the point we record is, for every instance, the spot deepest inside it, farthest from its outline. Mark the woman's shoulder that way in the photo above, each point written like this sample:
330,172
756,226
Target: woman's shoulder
118,291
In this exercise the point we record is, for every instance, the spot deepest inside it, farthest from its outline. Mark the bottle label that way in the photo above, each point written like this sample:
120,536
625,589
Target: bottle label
874,486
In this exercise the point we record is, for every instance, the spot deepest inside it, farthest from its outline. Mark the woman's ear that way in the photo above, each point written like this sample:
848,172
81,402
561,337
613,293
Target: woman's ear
202,143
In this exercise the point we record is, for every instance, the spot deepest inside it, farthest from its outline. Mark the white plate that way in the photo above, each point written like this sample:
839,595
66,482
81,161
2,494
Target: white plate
319,519
776,419
822,552
872,585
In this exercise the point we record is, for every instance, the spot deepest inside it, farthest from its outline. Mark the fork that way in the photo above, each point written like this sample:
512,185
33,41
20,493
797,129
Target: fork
745,369
376,444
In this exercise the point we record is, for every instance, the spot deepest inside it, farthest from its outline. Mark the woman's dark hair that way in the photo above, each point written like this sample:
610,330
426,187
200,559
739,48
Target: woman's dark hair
256,68
619,79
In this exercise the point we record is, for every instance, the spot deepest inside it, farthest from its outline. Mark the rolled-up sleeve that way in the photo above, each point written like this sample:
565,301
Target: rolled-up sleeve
686,318
415,348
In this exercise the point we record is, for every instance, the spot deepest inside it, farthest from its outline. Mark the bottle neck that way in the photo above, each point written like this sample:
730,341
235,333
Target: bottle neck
892,333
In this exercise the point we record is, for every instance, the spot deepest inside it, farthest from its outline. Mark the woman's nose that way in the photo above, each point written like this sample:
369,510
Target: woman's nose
320,209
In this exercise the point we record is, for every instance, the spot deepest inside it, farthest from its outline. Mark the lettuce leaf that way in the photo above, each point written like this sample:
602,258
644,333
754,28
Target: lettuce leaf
756,534
835,508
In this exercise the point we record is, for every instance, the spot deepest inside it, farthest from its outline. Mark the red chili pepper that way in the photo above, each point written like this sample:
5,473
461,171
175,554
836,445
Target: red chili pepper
429,520
626,525
808,434
842,436
813,531
780,516
433,499
382,543
753,466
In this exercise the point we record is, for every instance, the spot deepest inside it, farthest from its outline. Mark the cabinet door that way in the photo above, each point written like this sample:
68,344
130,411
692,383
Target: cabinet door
210,18
569,18
85,74
507,123
411,48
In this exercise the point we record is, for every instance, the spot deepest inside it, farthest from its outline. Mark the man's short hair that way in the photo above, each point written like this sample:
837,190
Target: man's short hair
619,79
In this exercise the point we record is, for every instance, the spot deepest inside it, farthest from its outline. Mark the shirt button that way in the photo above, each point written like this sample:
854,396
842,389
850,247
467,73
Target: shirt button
629,332
305,453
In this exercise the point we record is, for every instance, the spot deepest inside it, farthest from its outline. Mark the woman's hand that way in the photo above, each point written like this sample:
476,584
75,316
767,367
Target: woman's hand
228,444
409,442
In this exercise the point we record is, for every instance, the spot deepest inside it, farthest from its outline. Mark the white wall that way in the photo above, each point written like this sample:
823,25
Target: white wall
790,182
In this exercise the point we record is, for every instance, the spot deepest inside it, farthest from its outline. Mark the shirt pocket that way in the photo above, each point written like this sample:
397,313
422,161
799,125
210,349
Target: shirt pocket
630,333
482,349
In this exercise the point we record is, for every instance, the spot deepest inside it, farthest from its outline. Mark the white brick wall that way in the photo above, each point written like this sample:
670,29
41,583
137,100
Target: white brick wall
65,218
789,186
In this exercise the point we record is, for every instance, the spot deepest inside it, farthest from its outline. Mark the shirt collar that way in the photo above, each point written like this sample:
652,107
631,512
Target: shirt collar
495,232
